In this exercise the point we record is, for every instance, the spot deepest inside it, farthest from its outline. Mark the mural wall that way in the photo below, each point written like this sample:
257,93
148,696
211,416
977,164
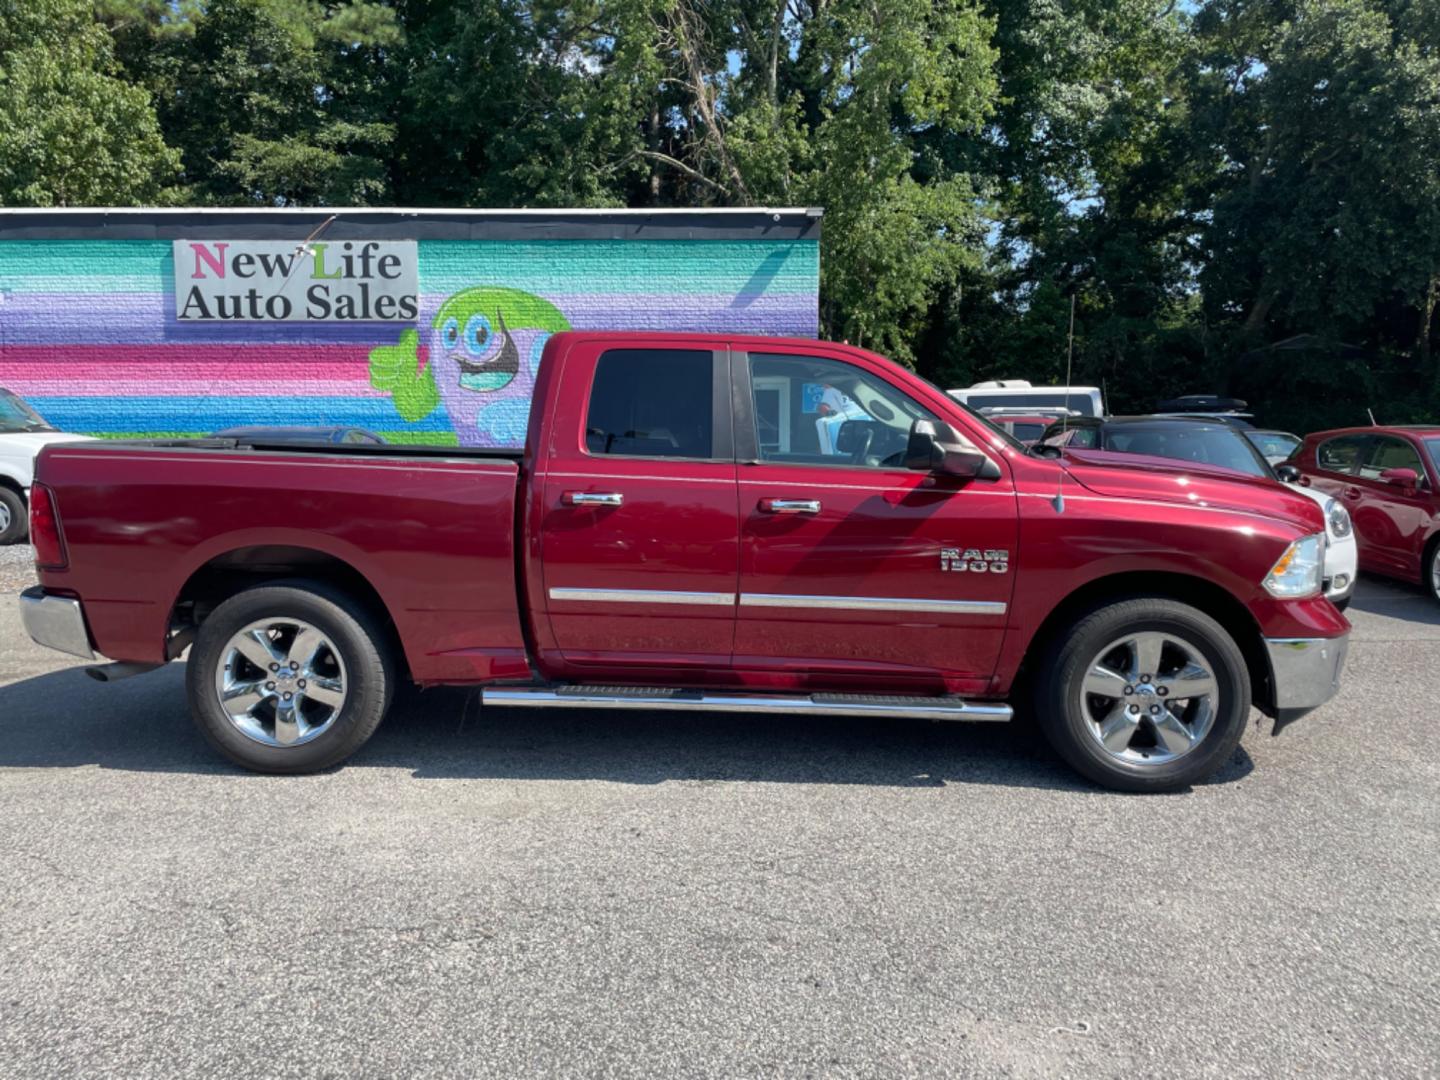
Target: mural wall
89,332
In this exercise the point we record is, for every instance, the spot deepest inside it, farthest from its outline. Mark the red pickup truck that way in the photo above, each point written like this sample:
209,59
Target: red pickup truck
697,523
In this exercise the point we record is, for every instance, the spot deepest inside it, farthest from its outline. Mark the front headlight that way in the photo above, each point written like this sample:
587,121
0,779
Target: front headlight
1339,519
1297,573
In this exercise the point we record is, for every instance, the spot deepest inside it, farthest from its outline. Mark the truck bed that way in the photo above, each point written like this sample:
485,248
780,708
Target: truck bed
148,523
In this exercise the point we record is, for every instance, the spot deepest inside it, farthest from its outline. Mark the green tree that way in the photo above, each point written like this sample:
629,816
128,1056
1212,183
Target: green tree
72,132
1326,206
270,102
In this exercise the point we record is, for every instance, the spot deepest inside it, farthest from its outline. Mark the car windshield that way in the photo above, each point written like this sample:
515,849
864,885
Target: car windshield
16,416
1274,445
1083,404
1215,445
1433,446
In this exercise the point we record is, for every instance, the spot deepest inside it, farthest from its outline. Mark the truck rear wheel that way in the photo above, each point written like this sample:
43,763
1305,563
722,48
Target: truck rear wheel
1145,695
291,677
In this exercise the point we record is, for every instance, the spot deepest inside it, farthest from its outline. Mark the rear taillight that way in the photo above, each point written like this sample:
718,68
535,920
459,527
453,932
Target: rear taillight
45,530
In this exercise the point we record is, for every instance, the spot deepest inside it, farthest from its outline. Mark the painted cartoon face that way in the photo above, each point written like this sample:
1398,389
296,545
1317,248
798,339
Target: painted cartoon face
484,346
482,350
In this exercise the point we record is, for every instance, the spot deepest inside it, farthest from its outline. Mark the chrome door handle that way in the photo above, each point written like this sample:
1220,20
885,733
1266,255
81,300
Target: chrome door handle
790,506
592,498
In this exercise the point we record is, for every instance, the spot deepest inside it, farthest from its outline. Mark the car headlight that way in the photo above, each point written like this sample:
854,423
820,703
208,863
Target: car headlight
1297,573
1338,518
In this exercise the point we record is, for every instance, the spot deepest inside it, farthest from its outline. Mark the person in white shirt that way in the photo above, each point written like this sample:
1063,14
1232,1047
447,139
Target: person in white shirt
832,405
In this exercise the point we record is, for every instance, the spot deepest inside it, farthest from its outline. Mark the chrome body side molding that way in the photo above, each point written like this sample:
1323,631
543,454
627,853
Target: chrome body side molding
873,603
643,596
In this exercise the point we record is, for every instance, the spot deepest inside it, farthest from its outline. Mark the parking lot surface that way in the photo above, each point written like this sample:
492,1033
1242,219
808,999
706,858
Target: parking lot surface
507,893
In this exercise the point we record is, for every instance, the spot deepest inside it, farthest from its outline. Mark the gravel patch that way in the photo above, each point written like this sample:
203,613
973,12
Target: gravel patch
17,567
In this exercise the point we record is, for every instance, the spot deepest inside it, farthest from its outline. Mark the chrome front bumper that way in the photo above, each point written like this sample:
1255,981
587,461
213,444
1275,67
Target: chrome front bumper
1305,673
57,622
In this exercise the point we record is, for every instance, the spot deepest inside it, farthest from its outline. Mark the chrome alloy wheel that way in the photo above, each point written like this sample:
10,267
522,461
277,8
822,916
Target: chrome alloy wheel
4,517
1149,698
281,682
1434,567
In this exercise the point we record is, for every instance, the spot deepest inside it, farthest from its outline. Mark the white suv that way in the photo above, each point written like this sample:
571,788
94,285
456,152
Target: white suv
1019,394
22,434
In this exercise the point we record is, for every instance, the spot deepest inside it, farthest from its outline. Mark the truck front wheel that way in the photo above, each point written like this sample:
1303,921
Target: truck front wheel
1144,695
289,677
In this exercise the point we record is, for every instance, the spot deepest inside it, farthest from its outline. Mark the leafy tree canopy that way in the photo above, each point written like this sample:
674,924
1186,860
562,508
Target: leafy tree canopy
1234,195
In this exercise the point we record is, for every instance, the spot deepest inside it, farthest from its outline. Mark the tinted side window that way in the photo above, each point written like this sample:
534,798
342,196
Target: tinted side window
1390,453
1341,455
652,403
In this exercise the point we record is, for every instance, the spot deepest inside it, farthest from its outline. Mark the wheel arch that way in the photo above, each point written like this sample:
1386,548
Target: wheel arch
237,569
1206,596
1427,551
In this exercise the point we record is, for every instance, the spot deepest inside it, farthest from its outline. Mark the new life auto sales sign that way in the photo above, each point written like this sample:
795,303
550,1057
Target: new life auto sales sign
284,281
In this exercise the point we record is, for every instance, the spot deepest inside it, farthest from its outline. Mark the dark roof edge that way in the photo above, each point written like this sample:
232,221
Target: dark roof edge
366,223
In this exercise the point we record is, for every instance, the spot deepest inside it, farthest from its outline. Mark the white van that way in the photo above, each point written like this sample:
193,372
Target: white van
1012,394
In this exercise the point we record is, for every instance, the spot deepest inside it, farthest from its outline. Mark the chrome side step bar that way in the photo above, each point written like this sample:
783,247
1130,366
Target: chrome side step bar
646,697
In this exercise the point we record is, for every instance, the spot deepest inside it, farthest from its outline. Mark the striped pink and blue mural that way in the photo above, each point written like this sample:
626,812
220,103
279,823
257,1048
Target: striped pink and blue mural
89,334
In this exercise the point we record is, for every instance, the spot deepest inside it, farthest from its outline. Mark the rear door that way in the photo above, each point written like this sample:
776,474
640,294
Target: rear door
639,547
855,572
1391,520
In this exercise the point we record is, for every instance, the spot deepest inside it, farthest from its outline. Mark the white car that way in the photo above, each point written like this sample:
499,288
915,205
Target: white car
22,434
1342,557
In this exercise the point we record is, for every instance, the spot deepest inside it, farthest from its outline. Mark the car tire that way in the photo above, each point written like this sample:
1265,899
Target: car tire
14,519
1343,603
259,646
1181,695
1432,571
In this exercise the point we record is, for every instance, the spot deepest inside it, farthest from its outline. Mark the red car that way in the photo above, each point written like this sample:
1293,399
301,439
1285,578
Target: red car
1388,479
767,525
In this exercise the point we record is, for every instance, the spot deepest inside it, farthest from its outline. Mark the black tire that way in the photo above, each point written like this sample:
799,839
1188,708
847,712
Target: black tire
1343,603
1432,556
358,639
19,517
1060,694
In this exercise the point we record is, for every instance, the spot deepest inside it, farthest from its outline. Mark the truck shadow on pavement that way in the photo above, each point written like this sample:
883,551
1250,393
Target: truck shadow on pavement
1392,599
65,720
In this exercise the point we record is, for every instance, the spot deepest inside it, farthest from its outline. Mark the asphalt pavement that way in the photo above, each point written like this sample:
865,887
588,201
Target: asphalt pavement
509,893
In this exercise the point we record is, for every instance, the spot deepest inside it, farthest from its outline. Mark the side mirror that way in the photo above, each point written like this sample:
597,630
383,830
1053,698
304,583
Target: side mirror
935,448
1287,474
1405,478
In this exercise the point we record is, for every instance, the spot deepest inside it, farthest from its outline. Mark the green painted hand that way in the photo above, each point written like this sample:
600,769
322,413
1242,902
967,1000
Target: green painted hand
396,368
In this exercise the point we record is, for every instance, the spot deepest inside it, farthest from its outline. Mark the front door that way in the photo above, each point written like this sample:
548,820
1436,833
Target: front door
855,572
639,544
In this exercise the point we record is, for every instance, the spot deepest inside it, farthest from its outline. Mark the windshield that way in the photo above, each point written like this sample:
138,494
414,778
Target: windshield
1218,446
15,415
1275,446
1083,404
